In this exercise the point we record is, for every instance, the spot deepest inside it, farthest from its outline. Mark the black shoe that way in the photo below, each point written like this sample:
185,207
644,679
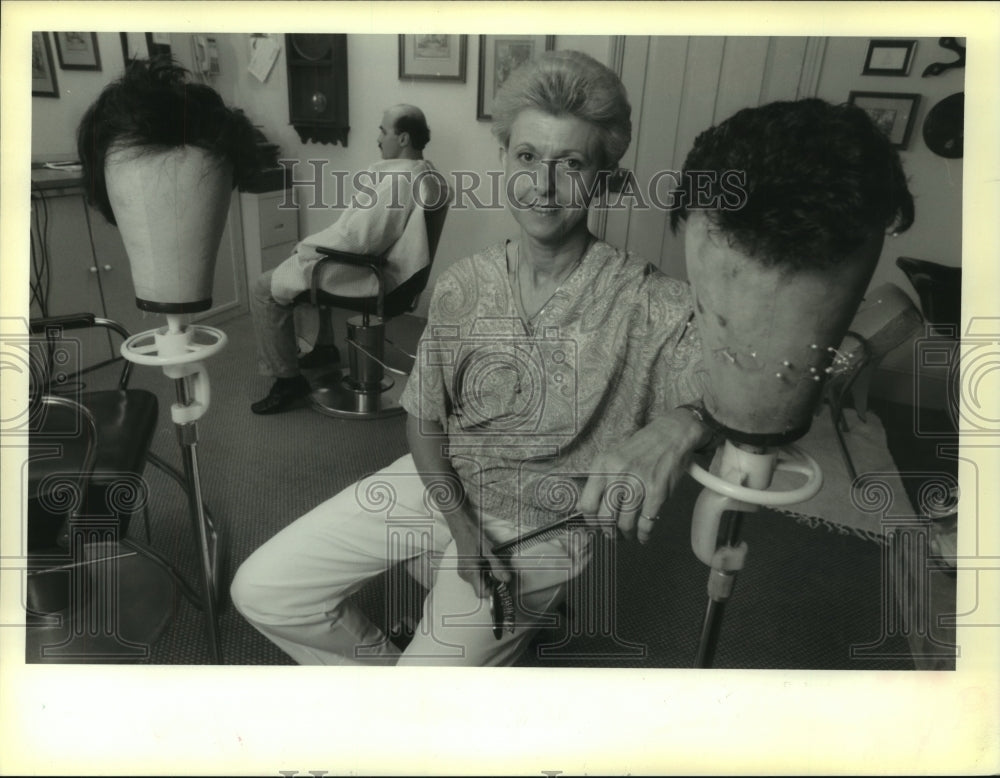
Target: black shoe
320,356
285,392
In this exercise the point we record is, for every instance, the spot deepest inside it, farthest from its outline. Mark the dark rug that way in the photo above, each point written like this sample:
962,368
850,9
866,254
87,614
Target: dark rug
807,595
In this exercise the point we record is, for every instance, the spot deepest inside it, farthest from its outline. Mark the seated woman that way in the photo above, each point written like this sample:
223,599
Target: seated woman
550,374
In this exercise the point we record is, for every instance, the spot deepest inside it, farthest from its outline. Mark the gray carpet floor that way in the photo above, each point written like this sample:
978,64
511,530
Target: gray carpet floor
807,599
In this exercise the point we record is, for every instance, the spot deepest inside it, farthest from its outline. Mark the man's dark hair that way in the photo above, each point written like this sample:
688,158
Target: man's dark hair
819,180
152,105
417,128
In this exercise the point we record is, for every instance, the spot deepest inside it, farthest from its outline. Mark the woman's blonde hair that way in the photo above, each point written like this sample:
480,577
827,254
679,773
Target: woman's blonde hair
568,83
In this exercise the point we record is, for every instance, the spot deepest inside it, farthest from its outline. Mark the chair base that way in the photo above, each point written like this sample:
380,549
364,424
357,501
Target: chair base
338,398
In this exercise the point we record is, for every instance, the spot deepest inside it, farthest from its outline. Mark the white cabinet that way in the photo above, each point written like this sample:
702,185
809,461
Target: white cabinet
270,231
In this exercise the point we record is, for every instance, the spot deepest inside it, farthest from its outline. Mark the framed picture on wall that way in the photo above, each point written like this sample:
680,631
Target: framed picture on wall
432,57
158,43
78,50
889,58
43,71
893,112
133,46
499,56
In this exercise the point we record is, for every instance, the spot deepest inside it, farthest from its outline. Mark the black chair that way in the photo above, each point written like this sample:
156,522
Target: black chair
88,452
939,288
55,496
364,393
125,422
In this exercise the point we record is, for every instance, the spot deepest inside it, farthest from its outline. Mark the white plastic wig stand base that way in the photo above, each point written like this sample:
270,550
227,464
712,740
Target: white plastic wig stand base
178,349
738,485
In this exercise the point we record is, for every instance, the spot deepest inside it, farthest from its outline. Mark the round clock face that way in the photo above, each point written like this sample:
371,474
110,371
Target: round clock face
311,46
944,127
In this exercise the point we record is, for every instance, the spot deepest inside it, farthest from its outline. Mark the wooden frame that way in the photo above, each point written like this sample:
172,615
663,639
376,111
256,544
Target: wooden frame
78,50
43,70
499,55
158,44
889,57
432,57
134,46
893,112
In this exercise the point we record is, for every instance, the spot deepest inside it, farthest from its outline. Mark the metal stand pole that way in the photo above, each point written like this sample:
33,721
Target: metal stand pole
720,587
187,436
741,484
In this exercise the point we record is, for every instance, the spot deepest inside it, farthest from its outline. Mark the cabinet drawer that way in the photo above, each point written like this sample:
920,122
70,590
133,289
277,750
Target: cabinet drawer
277,225
273,256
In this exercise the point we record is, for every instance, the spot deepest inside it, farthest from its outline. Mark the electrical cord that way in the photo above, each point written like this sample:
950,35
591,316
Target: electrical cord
41,281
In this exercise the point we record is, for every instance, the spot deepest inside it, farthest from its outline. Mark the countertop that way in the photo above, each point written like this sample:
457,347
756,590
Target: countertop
43,179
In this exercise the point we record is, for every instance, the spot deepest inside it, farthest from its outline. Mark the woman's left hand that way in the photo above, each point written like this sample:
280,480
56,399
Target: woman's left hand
657,455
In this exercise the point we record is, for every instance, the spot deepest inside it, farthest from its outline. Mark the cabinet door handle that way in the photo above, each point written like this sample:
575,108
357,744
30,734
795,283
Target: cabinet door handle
107,267
93,268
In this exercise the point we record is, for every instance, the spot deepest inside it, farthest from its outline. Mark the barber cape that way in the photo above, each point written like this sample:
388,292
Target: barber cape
384,228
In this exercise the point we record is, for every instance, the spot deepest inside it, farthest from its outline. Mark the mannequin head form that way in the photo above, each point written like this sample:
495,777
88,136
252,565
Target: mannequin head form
786,209
160,159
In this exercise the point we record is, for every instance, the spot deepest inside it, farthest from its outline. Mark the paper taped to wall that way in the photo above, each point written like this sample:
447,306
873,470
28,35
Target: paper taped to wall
265,53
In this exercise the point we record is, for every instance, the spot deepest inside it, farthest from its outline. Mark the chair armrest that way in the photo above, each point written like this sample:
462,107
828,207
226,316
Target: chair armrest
79,321
70,321
361,260
374,263
75,321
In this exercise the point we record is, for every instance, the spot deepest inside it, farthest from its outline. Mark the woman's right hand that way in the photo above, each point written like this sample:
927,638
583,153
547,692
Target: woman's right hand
475,559
474,556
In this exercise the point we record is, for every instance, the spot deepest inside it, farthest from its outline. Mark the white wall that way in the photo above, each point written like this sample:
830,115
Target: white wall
935,182
460,142
54,120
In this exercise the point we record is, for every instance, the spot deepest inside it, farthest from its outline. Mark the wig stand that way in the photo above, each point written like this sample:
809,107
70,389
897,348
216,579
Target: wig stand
178,349
738,485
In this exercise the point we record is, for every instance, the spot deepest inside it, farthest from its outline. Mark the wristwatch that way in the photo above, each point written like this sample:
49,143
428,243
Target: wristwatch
701,415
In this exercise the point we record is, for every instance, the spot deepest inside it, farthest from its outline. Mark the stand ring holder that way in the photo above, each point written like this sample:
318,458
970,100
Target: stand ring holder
161,348
791,459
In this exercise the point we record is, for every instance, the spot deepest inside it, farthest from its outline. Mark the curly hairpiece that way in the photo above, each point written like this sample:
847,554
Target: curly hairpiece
819,180
154,106
573,83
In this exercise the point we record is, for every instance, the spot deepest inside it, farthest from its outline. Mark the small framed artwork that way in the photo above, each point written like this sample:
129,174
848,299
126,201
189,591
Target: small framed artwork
499,56
134,46
432,57
158,44
889,58
43,71
78,50
894,113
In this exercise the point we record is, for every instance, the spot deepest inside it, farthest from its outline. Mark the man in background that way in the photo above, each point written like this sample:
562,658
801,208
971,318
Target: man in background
379,226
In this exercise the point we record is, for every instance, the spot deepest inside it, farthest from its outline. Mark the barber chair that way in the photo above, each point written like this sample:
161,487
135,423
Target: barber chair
366,392
88,451
939,289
